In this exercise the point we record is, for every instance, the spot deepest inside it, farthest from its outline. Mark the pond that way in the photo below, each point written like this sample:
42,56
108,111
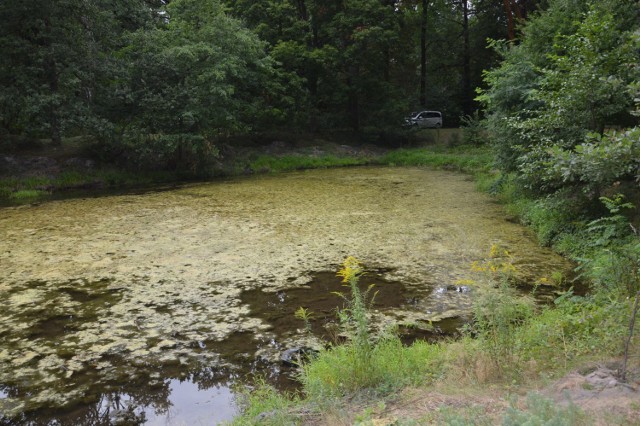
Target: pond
156,304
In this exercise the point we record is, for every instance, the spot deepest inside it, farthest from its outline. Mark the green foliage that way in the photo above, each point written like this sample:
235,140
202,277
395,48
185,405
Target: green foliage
585,82
542,411
199,77
299,162
391,366
497,315
264,405
473,130
596,163
570,76
573,327
58,63
463,158
552,216
25,194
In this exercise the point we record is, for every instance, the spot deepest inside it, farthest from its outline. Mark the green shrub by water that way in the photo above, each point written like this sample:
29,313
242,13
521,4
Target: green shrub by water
264,405
390,365
572,328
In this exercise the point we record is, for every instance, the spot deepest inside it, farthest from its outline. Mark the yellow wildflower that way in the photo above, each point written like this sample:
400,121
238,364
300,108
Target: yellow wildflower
351,268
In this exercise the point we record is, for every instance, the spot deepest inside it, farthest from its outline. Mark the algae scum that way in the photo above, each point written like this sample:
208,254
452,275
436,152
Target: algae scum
159,300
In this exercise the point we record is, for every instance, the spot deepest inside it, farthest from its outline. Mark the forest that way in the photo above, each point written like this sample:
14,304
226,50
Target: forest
159,83
540,102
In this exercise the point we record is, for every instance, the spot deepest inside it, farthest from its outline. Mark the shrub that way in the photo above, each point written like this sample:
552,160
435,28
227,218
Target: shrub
497,314
473,130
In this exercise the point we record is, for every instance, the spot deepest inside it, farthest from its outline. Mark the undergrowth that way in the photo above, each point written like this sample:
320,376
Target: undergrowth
511,342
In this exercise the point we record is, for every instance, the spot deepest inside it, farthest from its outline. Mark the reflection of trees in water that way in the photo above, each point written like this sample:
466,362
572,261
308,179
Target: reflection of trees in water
129,405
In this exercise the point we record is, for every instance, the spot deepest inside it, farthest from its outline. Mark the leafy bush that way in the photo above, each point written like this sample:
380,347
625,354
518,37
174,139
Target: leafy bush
497,315
571,75
473,130
598,162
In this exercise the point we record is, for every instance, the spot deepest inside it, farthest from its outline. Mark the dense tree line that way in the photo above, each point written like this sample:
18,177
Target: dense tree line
158,81
556,100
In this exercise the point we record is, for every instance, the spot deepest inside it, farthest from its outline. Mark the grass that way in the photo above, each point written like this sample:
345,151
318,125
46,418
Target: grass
466,158
30,188
264,405
469,159
27,194
286,163
390,366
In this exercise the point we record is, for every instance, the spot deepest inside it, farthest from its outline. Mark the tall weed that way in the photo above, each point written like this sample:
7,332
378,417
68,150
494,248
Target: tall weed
362,363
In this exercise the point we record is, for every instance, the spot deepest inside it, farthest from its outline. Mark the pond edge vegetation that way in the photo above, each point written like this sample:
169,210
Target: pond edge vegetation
511,346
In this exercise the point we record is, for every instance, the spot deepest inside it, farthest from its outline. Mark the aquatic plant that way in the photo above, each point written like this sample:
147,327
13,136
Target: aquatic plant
305,315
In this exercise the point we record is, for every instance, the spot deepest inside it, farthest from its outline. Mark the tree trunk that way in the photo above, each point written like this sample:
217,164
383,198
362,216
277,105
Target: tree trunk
51,75
423,55
510,26
354,101
467,96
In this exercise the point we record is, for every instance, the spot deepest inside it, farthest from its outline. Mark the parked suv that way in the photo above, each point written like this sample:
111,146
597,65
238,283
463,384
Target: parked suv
425,119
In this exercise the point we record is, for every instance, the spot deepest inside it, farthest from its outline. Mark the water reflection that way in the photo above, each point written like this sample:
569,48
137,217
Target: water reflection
190,404
200,399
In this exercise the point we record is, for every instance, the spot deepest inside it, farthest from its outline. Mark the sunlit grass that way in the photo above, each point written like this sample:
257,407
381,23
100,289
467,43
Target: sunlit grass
391,365
27,194
463,158
299,162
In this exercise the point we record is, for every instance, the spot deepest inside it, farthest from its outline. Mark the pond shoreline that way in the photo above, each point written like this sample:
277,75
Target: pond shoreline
160,275
48,173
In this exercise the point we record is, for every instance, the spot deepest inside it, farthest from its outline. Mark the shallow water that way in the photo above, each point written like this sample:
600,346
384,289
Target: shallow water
155,298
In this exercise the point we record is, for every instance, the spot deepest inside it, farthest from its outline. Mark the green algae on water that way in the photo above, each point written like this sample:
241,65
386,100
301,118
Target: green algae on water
100,291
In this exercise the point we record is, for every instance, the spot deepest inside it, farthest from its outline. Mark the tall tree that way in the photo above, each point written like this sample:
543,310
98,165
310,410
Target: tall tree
201,76
567,77
57,57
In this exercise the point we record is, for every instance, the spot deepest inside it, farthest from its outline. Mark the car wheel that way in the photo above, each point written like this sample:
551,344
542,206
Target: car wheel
438,125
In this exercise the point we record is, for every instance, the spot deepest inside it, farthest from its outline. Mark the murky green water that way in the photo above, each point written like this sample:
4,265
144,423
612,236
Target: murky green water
154,299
